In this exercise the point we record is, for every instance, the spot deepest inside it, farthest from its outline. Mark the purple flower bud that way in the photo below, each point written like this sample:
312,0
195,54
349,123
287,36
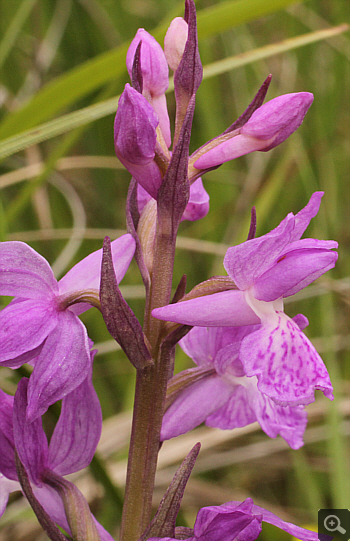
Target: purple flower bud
268,126
278,118
154,66
155,76
135,139
175,41
135,128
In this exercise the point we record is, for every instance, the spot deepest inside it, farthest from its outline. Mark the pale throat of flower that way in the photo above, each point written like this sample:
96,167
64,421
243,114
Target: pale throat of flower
267,312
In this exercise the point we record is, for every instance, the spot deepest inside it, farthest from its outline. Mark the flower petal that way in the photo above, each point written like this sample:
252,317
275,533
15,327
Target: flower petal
77,431
193,406
61,367
154,66
6,487
203,343
289,422
287,365
246,262
292,272
233,148
30,440
278,118
198,204
7,444
235,413
25,273
226,522
86,274
160,107
24,325
53,505
292,529
224,309
305,215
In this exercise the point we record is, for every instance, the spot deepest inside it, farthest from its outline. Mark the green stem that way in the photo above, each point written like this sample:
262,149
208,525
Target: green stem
150,394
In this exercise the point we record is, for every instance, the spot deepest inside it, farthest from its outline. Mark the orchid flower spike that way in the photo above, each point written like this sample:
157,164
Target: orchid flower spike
41,325
268,126
71,448
265,270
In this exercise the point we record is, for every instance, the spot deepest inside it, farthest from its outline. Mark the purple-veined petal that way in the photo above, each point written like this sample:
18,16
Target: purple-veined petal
305,215
227,362
53,505
64,362
289,422
309,244
226,522
7,444
203,343
292,272
7,458
6,414
246,262
25,273
77,431
292,529
24,325
6,487
236,412
287,365
30,440
224,309
87,273
194,405
198,203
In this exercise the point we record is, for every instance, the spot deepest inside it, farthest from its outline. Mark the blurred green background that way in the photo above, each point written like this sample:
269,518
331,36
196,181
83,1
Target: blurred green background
62,65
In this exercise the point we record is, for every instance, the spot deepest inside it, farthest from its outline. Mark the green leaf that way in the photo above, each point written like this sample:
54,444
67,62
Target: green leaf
14,28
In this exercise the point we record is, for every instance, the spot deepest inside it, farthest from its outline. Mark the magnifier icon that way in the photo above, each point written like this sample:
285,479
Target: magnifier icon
332,524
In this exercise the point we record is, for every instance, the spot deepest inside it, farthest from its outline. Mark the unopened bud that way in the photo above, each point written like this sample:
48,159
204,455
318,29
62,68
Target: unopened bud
269,125
135,139
155,76
175,41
